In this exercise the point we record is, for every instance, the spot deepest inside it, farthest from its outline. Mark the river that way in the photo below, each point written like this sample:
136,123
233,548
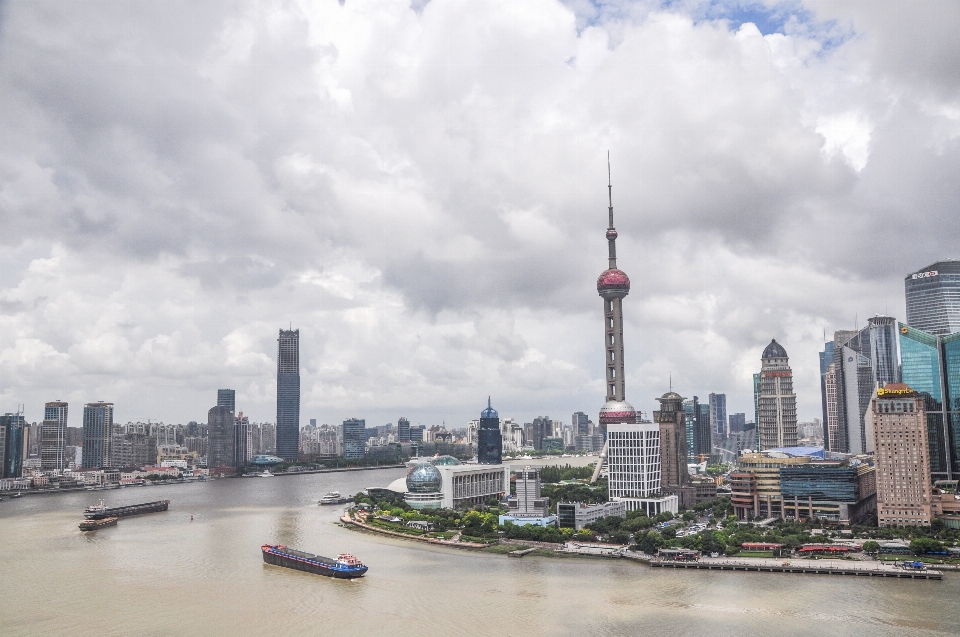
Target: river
165,574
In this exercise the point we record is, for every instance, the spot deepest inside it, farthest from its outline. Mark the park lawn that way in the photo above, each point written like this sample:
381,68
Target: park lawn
503,549
754,554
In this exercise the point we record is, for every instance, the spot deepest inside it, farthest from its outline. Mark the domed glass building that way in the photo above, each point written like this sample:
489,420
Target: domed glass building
443,461
424,478
424,484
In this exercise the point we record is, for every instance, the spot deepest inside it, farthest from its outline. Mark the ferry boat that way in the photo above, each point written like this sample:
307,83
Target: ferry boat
93,525
334,497
100,510
345,566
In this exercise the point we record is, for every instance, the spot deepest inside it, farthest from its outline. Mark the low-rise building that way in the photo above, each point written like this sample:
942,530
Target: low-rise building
576,515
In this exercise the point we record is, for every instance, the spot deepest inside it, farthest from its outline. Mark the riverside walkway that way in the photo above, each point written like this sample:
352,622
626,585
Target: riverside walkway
817,567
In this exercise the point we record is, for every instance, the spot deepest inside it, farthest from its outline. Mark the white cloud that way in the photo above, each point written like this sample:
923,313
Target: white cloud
423,194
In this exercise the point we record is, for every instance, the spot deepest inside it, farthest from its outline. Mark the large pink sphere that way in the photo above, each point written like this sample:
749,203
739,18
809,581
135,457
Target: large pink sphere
613,281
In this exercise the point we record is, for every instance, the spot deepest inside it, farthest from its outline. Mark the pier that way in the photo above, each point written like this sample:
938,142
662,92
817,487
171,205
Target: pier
817,567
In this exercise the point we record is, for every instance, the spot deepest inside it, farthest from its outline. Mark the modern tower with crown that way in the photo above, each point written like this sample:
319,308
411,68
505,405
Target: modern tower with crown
632,448
489,438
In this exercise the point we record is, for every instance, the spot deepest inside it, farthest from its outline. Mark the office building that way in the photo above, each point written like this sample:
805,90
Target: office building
288,394
221,441
933,298
528,506
863,359
671,420
489,438
53,437
718,415
776,402
227,398
904,486
403,430
581,424
355,438
131,449
576,515
737,423
243,448
930,365
97,434
697,430
826,360
12,430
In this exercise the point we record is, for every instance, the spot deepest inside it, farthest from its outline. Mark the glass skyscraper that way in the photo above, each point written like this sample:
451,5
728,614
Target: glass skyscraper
12,427
930,365
288,394
355,438
97,434
933,298
227,398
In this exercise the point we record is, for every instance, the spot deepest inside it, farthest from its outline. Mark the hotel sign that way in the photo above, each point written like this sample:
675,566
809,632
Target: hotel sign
924,275
893,392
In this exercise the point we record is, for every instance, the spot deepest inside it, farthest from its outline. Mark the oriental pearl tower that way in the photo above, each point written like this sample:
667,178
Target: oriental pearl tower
612,285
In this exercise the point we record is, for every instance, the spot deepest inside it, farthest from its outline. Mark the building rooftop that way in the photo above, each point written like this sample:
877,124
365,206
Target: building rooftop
774,350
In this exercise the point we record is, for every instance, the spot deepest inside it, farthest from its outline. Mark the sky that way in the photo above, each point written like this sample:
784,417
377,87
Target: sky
420,189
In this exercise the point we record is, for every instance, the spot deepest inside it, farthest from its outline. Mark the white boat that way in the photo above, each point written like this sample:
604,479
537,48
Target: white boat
334,497
266,474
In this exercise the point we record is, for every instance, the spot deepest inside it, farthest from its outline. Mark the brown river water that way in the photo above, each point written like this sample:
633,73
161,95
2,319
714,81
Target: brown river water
163,574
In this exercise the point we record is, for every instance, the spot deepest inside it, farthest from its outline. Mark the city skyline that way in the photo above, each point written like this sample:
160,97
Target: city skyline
148,260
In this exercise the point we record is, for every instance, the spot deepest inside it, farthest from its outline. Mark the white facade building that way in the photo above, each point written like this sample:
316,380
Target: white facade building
633,468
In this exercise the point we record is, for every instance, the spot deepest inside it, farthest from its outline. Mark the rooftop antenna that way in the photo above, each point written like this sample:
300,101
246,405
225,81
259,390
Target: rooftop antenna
671,381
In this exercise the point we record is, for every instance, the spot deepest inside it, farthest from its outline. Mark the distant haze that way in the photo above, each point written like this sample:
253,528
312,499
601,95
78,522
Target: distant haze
421,191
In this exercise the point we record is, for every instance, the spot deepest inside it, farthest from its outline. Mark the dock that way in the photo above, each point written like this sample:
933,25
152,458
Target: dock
854,569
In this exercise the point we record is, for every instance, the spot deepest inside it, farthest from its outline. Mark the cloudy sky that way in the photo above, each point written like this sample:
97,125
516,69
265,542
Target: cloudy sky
421,190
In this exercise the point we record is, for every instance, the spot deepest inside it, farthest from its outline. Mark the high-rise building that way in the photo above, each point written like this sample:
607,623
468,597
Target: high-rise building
632,447
671,419
12,428
227,398
718,414
489,438
97,434
697,429
862,360
776,402
930,365
53,437
904,487
535,432
580,424
933,298
403,430
355,438
826,360
288,394
738,423
221,443
528,501
242,440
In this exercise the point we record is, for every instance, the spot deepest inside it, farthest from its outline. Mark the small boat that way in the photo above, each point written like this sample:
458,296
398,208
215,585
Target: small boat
93,525
334,497
266,474
17,495
345,566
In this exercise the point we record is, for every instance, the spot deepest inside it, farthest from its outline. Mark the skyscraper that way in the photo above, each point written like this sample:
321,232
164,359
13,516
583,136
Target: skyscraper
632,448
580,424
933,298
776,402
403,430
288,394
53,435
97,434
671,419
718,414
355,438
826,359
489,439
12,428
931,367
904,486
863,360
227,398
221,444
697,429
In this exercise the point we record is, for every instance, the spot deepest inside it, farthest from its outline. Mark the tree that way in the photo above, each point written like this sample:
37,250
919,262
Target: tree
871,546
651,542
712,543
922,545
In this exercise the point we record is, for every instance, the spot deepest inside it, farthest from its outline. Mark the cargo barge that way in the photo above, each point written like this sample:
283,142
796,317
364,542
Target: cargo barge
345,566
94,525
100,511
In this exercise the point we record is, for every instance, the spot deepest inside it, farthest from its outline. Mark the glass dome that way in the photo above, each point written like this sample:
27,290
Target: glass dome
424,478
489,412
443,461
